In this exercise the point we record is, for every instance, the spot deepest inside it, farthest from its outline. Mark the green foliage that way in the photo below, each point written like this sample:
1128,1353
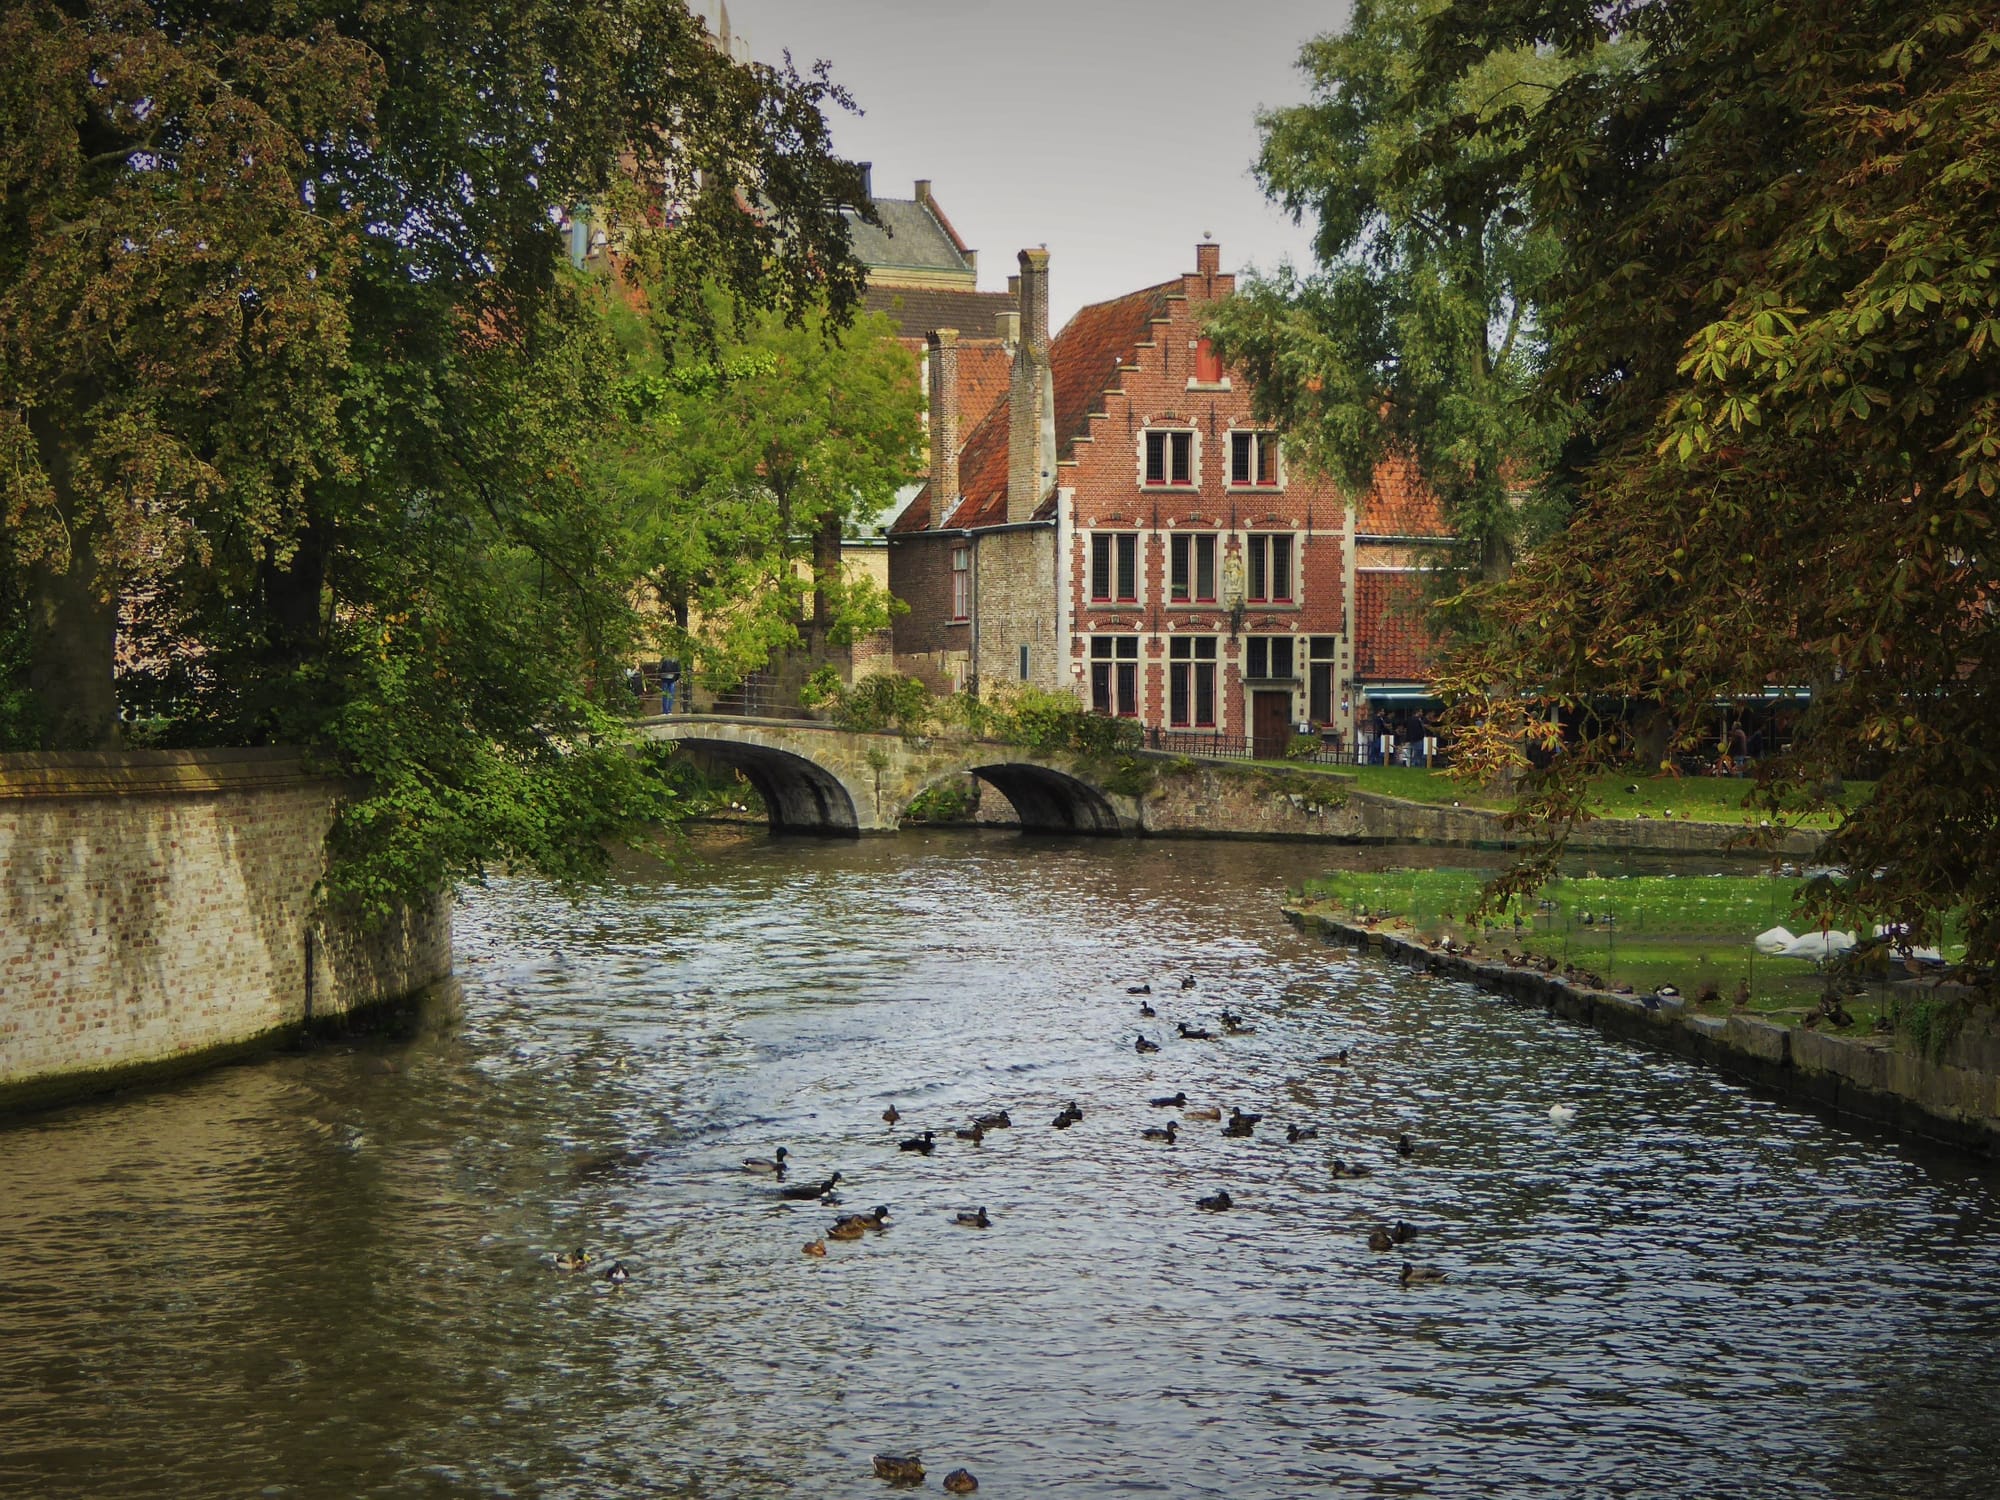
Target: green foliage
952,801
1303,747
1778,308
735,481
1056,722
883,700
1420,330
1130,776
296,385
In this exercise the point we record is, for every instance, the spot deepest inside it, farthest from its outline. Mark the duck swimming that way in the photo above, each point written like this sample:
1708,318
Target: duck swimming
847,1229
1070,1116
1402,1234
960,1482
806,1191
998,1120
1171,1101
616,1274
1211,1113
1153,1133
1380,1239
1421,1275
769,1164
1349,1169
1145,1045
1146,1009
896,1470
1187,981
975,1220
1216,1201
892,1114
1562,1114
923,1144
573,1260
975,1135
815,1247
1297,1133
1139,989
1194,1033
1404,1147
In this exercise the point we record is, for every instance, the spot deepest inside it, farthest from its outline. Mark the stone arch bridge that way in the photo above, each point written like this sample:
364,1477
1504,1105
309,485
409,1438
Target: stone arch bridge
822,779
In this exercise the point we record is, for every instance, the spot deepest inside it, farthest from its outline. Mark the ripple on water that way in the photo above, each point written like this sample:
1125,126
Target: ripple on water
330,1271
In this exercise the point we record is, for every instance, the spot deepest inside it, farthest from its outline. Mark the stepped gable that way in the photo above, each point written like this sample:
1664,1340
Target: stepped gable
1084,360
1400,504
1391,643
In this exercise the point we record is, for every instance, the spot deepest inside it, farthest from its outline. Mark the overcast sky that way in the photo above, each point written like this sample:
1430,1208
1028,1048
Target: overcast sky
1116,132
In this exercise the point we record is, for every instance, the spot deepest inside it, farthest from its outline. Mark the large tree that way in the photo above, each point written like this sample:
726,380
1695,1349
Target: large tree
742,476
294,376
1419,329
1780,304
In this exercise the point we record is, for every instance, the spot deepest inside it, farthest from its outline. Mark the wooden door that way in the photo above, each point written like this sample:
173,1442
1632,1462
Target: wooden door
1270,724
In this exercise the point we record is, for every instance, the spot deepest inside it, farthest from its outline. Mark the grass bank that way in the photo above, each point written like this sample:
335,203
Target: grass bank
1691,931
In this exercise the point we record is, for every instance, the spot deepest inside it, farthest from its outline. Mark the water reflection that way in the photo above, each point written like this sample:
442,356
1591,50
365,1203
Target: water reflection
328,1274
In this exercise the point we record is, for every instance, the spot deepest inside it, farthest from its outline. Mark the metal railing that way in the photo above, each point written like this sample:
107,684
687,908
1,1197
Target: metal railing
1213,744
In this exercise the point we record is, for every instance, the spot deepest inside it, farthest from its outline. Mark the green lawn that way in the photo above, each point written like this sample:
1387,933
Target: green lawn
1691,931
1694,799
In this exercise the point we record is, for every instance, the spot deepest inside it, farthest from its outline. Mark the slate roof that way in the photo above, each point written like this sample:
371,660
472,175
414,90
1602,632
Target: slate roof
1390,641
1083,360
910,237
1400,504
919,311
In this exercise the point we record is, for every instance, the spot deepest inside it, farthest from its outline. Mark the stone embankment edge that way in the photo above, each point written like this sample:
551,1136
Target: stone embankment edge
1863,1078
349,978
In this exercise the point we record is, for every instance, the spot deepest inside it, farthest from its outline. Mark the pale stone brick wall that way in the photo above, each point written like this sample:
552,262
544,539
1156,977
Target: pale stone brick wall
156,907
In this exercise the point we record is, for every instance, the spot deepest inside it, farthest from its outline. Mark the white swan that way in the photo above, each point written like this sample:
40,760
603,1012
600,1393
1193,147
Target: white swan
1562,1114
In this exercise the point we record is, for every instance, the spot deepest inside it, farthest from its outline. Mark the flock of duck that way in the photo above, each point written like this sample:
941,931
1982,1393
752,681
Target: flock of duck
1238,1125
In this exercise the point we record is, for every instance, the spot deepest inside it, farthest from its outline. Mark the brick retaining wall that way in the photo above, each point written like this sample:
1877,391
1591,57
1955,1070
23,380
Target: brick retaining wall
156,913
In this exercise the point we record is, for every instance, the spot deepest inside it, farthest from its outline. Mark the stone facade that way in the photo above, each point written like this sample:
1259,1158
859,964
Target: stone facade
156,910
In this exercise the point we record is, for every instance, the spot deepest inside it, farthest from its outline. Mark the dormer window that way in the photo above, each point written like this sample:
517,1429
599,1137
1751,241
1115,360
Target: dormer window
1170,459
1253,460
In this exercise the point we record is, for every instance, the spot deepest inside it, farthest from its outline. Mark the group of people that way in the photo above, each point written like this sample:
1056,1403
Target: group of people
1394,737
655,677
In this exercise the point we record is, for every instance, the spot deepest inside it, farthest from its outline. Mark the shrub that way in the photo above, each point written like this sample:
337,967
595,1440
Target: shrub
1302,747
948,802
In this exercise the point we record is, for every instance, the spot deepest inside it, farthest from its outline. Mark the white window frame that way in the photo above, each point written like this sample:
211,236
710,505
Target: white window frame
1258,439
1193,481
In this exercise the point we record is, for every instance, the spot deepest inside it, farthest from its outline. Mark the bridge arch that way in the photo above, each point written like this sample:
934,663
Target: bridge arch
1048,800
800,795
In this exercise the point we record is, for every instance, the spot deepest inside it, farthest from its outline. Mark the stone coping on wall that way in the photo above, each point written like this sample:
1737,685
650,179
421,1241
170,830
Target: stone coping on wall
1866,1077
135,773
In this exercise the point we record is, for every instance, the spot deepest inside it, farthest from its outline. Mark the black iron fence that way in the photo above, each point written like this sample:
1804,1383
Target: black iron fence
1213,744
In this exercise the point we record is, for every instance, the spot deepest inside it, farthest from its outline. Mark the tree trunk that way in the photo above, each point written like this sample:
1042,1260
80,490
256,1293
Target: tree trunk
826,576
74,638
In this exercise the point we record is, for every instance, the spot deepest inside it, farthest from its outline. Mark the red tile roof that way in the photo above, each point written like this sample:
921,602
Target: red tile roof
1084,359
1391,643
1399,503
984,369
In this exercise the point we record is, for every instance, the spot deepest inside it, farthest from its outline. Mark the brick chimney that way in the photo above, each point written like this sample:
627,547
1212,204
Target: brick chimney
944,425
1208,259
1031,396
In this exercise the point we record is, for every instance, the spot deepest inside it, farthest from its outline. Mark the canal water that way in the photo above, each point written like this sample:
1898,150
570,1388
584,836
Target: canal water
330,1274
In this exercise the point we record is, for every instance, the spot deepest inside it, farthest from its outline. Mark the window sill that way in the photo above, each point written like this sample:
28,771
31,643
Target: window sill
1271,682
1208,604
1254,489
1210,385
1190,488
1273,606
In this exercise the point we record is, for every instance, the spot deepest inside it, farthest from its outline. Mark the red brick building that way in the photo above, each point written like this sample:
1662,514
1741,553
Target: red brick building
1121,527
